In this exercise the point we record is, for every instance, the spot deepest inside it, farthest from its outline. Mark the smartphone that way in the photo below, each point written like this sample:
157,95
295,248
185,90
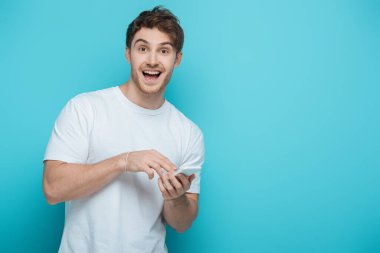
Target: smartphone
186,171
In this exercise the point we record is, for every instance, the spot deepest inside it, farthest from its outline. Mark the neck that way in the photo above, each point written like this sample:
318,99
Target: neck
148,101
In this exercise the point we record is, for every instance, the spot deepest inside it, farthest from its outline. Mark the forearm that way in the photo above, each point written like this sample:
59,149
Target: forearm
180,213
67,181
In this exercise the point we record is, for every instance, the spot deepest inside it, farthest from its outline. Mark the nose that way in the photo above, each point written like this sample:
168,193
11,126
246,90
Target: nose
152,60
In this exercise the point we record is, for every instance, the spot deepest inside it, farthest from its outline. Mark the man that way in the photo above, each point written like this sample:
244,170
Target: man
113,152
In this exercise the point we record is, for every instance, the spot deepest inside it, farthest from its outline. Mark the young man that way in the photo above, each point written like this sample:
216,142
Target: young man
103,140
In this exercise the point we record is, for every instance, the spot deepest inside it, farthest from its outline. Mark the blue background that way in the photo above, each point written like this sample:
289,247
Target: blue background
287,94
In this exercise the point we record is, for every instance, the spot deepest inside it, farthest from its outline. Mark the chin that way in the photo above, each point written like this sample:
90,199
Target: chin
151,89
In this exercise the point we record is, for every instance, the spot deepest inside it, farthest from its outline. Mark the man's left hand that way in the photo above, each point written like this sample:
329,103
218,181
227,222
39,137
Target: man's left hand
173,187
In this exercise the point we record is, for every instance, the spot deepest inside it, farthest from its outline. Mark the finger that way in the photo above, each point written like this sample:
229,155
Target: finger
164,192
174,181
191,178
184,181
149,172
161,186
168,186
172,165
166,164
163,160
156,167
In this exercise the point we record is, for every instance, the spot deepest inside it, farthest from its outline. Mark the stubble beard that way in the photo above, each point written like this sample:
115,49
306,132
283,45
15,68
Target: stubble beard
148,90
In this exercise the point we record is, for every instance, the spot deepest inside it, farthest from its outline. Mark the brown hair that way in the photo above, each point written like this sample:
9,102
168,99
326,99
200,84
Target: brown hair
160,18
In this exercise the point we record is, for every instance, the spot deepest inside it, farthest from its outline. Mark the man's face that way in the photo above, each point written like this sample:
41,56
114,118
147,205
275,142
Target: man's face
152,58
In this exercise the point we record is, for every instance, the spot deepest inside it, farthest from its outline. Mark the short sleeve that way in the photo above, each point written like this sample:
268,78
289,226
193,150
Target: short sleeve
69,141
194,157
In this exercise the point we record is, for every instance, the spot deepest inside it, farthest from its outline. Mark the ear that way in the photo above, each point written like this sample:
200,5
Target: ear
128,55
178,59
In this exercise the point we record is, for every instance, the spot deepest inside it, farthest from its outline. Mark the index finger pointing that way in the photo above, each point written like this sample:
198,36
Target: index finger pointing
165,160
167,165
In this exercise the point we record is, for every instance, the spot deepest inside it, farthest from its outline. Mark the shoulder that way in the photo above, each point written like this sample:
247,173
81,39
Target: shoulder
187,124
93,96
88,101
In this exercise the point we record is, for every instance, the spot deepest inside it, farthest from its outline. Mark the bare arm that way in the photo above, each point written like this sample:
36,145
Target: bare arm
66,181
180,208
181,212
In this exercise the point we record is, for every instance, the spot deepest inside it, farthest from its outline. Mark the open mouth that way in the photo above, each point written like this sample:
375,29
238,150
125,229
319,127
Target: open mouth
151,75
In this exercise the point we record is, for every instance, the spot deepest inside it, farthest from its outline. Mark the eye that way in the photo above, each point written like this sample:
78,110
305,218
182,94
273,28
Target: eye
142,49
164,51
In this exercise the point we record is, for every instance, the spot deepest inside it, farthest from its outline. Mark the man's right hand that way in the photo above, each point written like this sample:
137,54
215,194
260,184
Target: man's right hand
67,181
149,161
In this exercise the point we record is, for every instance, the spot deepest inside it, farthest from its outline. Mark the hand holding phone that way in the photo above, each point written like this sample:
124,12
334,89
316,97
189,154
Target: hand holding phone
186,171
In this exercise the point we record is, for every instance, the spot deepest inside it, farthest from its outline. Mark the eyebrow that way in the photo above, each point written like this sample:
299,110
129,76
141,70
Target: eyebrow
161,44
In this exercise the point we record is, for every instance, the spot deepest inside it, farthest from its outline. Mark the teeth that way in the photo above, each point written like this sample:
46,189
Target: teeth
152,72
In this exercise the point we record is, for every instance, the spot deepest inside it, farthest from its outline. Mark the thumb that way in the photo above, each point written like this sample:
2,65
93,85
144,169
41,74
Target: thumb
191,178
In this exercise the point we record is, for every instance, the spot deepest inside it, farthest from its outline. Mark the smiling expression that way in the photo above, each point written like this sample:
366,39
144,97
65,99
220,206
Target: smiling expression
152,57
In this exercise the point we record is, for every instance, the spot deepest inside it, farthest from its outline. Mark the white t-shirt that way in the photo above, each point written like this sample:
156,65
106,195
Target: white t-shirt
124,216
